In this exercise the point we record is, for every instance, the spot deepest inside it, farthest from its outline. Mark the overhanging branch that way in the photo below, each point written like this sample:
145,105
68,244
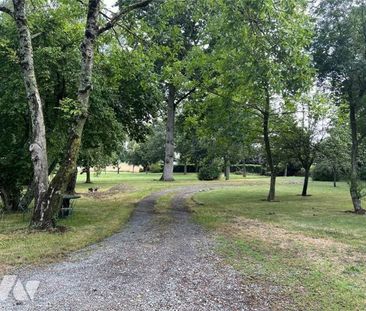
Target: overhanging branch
6,10
185,96
114,20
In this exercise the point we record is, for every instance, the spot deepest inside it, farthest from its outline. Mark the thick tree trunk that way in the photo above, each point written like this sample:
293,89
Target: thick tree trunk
38,148
70,189
58,186
185,168
285,173
267,146
28,197
88,178
306,182
354,182
169,143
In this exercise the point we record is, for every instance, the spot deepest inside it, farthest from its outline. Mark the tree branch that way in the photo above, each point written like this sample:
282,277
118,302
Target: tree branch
7,11
185,96
114,20
245,105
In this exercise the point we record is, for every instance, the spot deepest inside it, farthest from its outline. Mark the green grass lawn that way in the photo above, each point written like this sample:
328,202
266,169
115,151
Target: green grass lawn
308,246
95,217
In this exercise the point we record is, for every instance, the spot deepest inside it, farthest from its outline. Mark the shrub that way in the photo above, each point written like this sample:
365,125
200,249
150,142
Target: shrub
155,168
210,170
323,172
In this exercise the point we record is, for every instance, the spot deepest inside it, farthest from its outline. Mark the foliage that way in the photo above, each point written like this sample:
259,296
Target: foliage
149,151
322,171
210,170
155,168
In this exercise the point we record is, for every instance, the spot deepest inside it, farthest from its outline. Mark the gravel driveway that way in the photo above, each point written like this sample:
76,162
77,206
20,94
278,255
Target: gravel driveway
150,265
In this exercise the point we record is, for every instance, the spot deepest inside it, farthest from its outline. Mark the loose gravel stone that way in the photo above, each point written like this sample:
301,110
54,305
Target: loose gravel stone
149,265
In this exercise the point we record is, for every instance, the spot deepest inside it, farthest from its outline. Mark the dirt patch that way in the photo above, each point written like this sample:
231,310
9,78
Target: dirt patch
121,188
4,269
314,249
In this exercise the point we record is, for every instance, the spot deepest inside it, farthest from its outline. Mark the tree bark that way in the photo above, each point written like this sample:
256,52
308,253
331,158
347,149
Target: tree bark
334,177
169,143
306,182
227,170
58,186
88,178
272,188
354,178
285,173
28,197
70,189
38,146
266,113
185,168
244,170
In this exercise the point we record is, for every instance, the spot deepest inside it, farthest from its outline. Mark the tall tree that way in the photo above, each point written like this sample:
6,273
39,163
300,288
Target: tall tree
38,146
305,130
48,197
262,60
340,55
176,27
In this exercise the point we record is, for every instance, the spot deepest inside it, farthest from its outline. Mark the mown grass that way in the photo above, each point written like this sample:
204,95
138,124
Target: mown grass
308,246
95,217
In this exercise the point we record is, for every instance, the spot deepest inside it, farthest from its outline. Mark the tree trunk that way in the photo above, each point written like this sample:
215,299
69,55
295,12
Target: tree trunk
244,170
272,189
58,186
185,168
38,146
354,182
72,183
28,197
285,173
169,143
306,182
334,177
227,170
88,178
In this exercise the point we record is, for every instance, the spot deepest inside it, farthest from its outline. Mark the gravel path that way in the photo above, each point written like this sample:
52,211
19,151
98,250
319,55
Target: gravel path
153,264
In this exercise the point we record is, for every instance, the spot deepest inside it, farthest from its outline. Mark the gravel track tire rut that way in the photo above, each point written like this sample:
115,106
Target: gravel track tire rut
149,265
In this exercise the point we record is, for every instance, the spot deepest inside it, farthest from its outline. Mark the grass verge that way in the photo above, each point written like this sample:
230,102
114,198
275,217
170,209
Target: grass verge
308,247
96,216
